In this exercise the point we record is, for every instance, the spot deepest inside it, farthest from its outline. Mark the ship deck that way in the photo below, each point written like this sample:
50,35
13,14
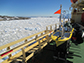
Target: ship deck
76,55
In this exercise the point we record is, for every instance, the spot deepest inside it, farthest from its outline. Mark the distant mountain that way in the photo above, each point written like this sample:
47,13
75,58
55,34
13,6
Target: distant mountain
7,18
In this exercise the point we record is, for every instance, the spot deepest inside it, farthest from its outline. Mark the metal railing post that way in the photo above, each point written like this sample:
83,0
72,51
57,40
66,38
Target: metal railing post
50,28
8,48
24,56
55,26
38,42
42,37
26,41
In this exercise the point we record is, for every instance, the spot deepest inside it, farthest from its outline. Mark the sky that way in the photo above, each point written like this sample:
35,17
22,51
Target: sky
32,7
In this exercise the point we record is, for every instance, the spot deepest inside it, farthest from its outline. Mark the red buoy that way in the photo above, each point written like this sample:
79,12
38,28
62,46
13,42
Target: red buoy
73,1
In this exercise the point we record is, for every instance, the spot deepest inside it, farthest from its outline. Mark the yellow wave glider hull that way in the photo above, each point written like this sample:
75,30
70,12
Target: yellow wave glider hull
60,40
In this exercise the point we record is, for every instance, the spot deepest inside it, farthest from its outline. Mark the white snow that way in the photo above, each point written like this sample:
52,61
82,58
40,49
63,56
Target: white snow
16,29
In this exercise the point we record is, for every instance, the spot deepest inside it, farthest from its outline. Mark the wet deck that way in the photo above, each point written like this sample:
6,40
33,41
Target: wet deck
46,55
77,53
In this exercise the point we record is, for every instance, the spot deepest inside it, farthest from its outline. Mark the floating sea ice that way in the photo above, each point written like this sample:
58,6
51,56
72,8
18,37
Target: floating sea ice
17,29
14,53
35,28
26,28
30,28
30,23
1,60
5,58
39,24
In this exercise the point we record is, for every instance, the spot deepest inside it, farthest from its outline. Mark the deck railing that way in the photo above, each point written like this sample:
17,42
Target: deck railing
28,48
